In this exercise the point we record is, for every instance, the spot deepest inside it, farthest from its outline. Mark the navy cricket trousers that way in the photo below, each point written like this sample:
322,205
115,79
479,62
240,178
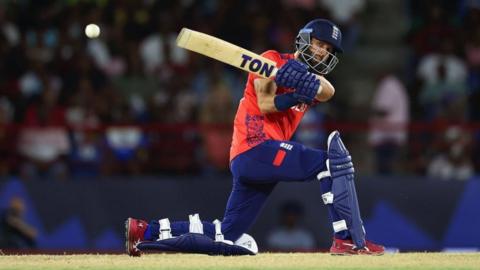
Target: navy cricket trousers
255,174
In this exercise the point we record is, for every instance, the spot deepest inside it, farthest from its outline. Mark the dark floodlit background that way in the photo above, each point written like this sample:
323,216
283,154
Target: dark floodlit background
93,130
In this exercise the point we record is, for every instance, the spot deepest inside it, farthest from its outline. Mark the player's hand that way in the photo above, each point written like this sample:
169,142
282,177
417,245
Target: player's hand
290,74
307,88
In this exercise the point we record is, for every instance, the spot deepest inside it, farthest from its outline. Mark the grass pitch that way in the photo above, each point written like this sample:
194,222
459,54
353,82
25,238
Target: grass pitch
263,261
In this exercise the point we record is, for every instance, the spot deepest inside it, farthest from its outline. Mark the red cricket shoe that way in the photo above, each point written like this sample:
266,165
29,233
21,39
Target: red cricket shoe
346,247
134,230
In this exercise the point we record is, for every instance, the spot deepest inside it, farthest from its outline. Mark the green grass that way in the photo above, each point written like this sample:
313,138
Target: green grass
297,261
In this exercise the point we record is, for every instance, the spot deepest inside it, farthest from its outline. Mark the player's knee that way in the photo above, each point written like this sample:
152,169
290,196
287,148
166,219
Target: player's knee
341,167
339,159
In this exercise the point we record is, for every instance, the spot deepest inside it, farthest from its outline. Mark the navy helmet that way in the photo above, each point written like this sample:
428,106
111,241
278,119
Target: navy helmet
320,62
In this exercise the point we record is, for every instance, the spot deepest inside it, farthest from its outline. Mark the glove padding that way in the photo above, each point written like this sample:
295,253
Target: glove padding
307,88
290,74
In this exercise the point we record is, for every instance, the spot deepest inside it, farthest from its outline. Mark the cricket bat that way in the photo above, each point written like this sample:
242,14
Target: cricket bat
226,52
231,54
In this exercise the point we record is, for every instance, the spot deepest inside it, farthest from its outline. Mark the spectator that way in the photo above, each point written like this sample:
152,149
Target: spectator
15,232
126,147
453,162
432,23
216,113
389,123
443,76
290,235
159,52
135,86
81,112
8,28
43,140
310,131
87,154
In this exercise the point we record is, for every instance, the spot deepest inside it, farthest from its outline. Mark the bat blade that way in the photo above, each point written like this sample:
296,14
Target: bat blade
226,52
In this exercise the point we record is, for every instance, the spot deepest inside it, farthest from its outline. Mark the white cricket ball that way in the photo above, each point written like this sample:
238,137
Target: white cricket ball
92,30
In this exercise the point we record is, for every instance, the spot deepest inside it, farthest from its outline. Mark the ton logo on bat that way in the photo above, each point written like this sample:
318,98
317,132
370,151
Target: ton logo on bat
256,65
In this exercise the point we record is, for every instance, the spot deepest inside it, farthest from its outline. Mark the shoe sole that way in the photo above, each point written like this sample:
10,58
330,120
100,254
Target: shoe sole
353,254
333,253
128,243
342,253
371,254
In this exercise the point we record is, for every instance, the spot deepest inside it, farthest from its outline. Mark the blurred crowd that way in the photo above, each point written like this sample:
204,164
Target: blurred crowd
426,120
131,102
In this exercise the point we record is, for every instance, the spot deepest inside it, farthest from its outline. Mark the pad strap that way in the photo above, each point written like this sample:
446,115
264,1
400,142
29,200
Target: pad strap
339,226
165,230
218,233
196,225
326,173
327,198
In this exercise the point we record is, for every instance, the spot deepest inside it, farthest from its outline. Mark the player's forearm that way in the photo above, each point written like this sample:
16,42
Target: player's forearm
327,91
267,105
265,90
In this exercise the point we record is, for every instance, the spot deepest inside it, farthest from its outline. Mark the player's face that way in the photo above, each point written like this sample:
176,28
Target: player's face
318,55
320,49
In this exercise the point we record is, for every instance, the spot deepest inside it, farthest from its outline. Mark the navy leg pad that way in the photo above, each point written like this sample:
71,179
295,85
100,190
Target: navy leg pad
194,243
345,201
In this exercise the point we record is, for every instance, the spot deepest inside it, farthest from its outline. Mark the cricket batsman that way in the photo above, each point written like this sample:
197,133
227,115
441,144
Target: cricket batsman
261,155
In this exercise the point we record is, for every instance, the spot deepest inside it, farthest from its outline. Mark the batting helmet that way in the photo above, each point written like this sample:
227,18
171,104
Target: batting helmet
323,30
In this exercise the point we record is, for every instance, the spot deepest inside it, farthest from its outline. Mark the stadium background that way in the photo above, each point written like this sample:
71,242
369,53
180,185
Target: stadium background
95,130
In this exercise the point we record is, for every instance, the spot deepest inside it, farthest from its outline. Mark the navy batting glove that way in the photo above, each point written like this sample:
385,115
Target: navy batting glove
307,88
290,74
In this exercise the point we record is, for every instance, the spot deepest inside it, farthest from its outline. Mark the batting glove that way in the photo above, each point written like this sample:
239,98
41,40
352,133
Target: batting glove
290,74
307,88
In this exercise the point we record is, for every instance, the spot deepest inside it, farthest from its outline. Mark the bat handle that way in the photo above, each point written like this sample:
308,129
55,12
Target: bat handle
274,73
